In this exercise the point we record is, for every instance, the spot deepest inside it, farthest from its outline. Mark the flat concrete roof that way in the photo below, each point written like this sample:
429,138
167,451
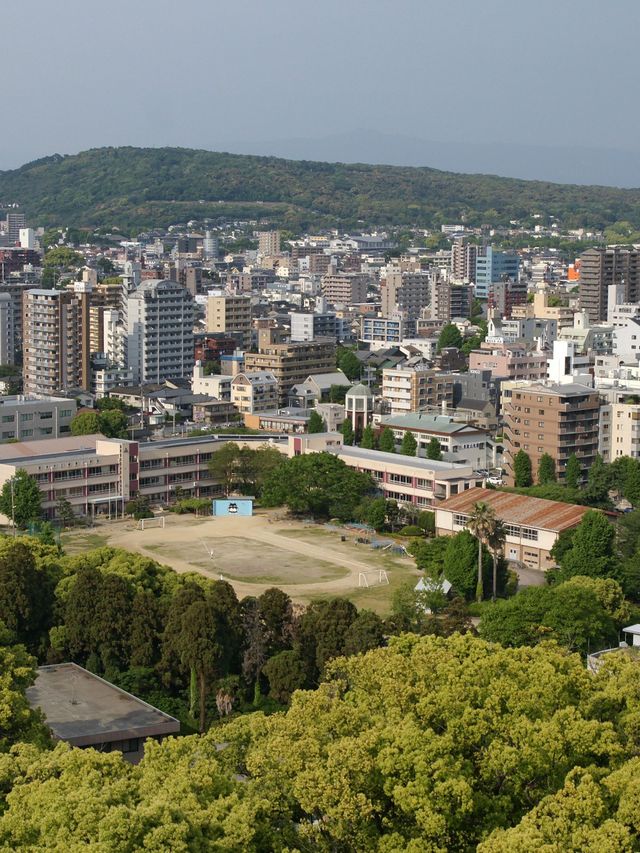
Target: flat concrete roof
84,709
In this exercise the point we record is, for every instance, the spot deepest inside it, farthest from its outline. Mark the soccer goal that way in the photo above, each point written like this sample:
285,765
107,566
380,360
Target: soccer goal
375,577
157,521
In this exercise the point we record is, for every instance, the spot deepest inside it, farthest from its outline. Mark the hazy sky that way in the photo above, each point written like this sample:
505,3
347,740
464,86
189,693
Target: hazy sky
210,74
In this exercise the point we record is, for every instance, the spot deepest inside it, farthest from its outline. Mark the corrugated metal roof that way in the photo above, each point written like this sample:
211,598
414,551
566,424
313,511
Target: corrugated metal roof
518,509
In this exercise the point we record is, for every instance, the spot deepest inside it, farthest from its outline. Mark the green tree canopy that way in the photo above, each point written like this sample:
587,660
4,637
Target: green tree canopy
434,450
409,445
573,472
368,440
449,337
522,469
319,484
546,470
387,442
315,423
20,499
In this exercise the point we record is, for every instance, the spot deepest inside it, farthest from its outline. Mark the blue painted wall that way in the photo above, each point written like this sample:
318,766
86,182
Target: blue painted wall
233,506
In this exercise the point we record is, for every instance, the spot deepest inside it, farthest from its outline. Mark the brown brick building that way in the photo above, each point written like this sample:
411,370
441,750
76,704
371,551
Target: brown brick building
556,419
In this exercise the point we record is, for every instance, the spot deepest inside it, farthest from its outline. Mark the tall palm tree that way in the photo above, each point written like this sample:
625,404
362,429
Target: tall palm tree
480,523
495,543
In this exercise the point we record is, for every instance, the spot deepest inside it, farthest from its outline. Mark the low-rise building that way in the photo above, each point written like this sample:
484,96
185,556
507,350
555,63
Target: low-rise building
84,710
532,525
509,361
412,389
25,418
619,431
254,392
459,442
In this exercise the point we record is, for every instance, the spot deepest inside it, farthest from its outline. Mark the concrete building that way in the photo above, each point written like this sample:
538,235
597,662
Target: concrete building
383,331
291,363
345,288
619,431
589,337
599,269
254,392
56,340
532,525
215,385
24,418
509,361
404,293
449,301
7,331
417,388
230,315
317,388
308,327
419,483
558,419
459,442
463,261
84,710
160,317
268,243
493,267
99,475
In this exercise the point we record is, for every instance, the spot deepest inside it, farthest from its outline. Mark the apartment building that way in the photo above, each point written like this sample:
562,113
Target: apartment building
99,475
557,419
308,327
619,431
268,243
531,525
7,333
381,332
416,388
160,317
106,298
509,361
291,362
25,418
230,315
56,340
449,301
254,392
541,310
345,288
463,261
493,267
601,268
460,443
404,293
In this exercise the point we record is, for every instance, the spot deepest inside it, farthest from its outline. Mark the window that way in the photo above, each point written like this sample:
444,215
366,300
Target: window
459,520
26,417
530,533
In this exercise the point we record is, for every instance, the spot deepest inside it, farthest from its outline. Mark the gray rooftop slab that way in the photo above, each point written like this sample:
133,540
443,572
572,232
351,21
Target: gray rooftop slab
83,709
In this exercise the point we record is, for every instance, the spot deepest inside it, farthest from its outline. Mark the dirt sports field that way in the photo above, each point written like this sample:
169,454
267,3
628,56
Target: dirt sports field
305,560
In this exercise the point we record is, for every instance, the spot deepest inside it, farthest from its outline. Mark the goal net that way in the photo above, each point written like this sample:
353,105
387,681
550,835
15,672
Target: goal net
151,522
375,577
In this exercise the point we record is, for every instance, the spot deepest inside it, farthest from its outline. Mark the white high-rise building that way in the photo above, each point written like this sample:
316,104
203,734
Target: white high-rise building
160,316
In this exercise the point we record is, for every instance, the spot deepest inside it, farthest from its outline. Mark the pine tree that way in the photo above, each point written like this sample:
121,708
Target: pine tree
316,423
573,472
368,440
434,451
387,441
522,469
546,470
348,435
409,444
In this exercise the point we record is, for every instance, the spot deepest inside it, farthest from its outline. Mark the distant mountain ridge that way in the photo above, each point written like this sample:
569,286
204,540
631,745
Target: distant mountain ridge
152,187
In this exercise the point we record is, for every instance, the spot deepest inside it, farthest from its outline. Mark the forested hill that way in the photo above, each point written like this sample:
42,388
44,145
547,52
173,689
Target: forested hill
144,187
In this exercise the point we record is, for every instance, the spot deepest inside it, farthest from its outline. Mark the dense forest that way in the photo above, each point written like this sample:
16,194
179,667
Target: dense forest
146,187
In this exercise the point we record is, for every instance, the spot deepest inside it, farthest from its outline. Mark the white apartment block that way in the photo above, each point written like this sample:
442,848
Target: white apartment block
413,389
619,431
160,316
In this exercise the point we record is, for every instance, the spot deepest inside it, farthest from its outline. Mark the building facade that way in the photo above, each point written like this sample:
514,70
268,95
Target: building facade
415,389
601,268
556,419
291,363
160,317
